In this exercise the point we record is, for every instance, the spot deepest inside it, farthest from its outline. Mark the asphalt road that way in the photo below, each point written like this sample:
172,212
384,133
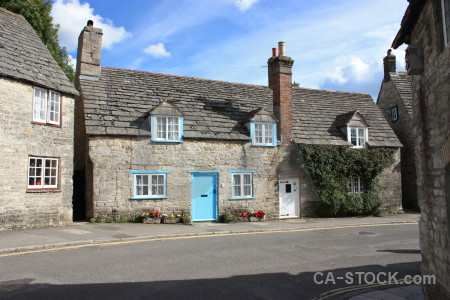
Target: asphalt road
241,266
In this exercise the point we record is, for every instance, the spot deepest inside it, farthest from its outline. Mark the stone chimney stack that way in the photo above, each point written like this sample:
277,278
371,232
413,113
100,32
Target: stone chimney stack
89,52
389,65
280,81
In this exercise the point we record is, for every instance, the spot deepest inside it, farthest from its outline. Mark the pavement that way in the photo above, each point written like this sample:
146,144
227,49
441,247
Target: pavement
84,234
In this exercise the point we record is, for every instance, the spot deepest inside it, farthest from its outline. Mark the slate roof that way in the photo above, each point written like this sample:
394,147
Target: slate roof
403,85
120,101
25,57
315,119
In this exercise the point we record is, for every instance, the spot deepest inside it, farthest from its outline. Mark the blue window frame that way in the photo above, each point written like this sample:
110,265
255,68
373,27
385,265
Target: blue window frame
242,184
166,128
149,184
263,133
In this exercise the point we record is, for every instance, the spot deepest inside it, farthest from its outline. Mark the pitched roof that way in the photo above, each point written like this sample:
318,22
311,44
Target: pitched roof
408,21
403,85
315,113
119,103
25,57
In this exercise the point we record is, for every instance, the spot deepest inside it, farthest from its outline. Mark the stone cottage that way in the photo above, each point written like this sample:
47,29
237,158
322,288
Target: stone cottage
395,102
36,130
426,29
148,140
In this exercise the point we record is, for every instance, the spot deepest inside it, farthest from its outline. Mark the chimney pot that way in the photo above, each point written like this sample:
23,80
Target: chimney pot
281,49
274,52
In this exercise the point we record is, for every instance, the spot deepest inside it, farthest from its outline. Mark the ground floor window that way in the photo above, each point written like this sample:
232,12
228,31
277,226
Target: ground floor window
148,184
356,185
42,173
242,184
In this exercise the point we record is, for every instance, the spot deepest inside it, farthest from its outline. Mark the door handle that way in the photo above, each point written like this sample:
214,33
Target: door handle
204,195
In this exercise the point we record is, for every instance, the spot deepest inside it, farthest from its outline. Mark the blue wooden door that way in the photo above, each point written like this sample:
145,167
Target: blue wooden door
204,196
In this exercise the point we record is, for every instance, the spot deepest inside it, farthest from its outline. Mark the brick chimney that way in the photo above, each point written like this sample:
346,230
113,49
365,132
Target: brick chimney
389,65
89,52
280,81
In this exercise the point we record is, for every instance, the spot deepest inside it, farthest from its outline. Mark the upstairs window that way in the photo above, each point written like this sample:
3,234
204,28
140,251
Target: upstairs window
46,106
242,184
42,173
356,185
167,128
394,114
148,184
358,136
263,133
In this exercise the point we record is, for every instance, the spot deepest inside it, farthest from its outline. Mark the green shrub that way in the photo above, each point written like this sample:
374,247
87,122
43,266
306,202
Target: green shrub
331,168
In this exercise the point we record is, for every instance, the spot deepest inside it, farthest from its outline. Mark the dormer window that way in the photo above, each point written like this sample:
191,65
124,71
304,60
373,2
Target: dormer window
167,128
263,133
166,123
263,128
357,136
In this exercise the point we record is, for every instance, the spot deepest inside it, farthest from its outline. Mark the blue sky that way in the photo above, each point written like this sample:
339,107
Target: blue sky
336,44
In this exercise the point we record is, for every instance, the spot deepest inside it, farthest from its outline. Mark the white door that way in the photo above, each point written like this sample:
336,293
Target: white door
289,204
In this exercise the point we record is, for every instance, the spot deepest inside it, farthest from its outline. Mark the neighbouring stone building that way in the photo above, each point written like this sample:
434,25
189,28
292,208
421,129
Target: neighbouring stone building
426,29
36,130
155,141
395,102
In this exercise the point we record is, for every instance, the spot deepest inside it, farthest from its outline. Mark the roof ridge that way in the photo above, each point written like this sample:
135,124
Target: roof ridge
11,13
322,90
190,77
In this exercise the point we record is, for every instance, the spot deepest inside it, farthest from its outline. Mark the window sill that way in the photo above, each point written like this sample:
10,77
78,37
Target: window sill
149,198
37,191
46,124
262,145
242,198
166,141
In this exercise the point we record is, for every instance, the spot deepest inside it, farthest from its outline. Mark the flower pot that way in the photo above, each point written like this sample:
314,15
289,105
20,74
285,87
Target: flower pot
171,221
151,221
186,220
253,219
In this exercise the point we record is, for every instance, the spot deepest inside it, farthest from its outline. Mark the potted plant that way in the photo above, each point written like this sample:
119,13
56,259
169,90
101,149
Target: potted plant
227,217
186,218
170,218
151,217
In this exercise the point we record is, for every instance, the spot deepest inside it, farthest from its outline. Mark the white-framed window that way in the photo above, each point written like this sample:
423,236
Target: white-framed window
42,173
394,114
242,184
263,133
358,136
445,5
148,184
167,128
356,185
46,106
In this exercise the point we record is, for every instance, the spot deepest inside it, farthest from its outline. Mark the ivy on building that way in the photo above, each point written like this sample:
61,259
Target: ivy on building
331,169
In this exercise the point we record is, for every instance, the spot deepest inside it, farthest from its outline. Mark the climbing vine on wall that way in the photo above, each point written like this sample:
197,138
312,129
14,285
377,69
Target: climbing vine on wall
331,168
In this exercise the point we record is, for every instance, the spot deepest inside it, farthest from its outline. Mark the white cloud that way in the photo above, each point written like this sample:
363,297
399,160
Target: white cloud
348,68
244,4
72,61
157,50
72,16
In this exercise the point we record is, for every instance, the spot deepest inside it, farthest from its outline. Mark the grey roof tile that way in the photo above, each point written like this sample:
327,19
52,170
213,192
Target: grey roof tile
403,85
25,57
217,110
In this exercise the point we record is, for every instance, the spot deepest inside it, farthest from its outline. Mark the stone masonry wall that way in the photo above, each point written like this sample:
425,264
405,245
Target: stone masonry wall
431,106
387,99
20,139
391,181
112,158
